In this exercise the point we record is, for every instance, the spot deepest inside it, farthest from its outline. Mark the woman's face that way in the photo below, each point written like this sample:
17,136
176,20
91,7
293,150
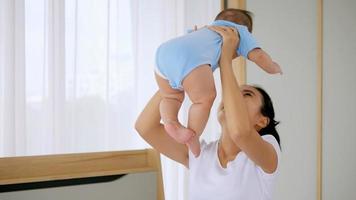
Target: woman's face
253,100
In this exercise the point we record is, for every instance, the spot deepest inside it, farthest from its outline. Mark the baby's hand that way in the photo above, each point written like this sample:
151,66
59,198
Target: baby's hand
263,60
276,68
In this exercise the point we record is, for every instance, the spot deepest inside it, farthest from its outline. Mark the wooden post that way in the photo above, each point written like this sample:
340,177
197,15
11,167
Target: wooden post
239,64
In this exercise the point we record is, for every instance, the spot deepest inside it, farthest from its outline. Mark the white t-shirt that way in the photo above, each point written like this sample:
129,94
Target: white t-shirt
241,179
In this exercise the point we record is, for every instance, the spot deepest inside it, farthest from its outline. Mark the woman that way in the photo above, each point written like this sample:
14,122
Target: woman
243,163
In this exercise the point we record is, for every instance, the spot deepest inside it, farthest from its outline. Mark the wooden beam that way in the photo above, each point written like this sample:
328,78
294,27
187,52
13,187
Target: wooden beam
155,161
28,169
319,99
239,64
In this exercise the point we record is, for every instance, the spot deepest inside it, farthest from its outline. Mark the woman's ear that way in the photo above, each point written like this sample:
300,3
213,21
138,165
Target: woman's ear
263,122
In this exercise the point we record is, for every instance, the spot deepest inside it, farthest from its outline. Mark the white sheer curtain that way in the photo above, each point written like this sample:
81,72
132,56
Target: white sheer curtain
74,74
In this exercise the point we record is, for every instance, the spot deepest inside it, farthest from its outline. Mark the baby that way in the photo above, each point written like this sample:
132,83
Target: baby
186,64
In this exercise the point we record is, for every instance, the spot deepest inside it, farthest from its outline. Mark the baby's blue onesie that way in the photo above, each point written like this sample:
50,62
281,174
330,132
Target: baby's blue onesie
177,57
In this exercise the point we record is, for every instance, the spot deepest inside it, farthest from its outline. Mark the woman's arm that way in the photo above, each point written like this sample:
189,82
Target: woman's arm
149,127
236,114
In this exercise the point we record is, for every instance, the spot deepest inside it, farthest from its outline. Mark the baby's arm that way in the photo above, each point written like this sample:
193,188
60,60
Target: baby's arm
263,60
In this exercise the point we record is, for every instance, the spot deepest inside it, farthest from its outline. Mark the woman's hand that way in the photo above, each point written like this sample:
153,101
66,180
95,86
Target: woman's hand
230,40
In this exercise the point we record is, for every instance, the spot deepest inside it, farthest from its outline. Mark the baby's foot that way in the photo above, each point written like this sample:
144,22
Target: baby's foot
179,132
194,146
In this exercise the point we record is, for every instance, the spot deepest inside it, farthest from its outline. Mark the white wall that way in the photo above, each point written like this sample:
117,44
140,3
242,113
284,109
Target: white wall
287,30
339,160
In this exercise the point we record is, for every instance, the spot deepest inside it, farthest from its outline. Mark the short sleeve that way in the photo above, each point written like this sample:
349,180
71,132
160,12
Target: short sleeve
247,41
272,140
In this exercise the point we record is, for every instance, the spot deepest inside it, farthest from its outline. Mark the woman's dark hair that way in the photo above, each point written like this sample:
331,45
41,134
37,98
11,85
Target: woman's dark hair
268,111
238,16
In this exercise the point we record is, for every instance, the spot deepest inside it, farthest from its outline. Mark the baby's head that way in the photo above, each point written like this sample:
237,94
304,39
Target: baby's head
238,16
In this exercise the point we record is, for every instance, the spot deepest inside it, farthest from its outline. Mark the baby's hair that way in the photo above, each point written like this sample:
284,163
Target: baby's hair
238,16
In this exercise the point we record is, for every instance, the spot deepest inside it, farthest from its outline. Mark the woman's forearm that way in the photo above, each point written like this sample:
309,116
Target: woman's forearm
150,117
236,113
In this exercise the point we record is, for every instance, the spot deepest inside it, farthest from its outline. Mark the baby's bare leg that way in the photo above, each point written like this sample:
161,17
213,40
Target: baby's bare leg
200,87
169,107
